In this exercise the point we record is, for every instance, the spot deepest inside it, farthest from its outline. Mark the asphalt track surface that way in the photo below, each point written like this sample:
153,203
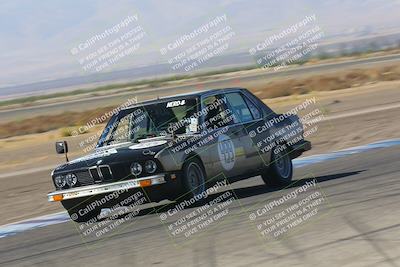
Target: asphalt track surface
144,94
356,225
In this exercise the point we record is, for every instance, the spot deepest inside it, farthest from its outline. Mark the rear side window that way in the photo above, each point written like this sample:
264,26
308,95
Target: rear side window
253,108
239,107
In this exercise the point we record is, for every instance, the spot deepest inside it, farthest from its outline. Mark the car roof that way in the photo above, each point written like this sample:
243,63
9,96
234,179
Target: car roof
179,96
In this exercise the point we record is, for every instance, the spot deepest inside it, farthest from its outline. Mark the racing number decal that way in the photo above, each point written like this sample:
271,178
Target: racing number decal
226,152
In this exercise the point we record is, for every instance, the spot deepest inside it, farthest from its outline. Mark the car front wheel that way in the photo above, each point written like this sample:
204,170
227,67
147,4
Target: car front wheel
80,213
193,179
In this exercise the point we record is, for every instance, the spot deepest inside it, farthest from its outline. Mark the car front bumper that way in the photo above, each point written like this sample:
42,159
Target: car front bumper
92,190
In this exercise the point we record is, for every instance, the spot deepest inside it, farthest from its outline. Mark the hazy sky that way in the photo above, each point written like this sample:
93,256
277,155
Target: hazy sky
36,36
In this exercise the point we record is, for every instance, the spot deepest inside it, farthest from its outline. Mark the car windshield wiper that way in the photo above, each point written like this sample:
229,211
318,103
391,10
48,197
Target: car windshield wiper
108,141
144,136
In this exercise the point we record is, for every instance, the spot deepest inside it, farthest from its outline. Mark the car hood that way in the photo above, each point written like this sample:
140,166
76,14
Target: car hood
122,152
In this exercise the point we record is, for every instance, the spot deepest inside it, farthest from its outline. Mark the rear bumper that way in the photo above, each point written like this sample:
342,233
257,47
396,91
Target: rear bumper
299,148
92,190
302,146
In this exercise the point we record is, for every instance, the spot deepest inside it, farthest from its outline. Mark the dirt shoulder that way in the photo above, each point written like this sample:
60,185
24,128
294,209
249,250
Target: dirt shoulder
50,117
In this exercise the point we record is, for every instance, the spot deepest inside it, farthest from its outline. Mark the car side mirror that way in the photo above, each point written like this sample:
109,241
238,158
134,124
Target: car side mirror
62,148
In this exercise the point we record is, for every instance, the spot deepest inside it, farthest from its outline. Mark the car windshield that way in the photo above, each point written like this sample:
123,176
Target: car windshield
159,119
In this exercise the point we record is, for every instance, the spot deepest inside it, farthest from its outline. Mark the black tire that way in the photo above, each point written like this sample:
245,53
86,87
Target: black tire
280,171
193,178
73,211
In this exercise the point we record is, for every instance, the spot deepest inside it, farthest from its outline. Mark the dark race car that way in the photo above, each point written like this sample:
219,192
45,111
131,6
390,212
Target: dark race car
172,148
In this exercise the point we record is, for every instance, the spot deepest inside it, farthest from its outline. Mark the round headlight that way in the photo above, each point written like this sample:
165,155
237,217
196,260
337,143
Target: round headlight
71,179
150,166
60,181
136,168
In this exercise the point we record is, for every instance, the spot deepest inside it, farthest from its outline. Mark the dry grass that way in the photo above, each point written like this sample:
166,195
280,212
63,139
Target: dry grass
46,123
326,82
70,131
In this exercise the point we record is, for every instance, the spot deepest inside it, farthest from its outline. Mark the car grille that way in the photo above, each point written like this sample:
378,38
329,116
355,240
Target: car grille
95,174
106,173
84,178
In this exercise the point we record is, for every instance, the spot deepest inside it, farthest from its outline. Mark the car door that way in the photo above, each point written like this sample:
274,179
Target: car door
225,155
249,117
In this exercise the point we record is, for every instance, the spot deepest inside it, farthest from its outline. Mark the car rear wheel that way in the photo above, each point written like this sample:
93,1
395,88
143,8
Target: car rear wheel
280,171
193,179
